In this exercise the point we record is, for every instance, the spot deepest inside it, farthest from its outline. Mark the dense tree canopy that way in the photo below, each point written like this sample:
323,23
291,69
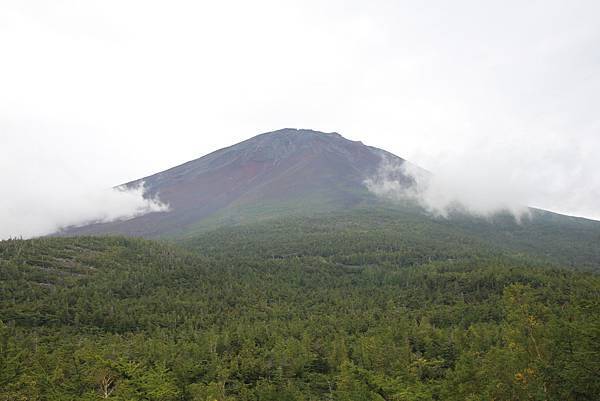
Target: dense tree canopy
295,310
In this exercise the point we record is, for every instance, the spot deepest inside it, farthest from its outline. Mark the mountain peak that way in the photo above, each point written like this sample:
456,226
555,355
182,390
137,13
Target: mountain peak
280,172
302,131
297,134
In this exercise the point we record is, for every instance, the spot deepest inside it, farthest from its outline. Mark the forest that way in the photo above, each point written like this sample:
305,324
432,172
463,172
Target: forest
345,308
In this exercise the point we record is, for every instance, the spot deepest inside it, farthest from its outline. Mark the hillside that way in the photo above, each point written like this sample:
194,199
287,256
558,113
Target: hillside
406,235
331,310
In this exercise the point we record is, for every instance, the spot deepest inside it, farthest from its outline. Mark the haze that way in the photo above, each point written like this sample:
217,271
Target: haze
499,100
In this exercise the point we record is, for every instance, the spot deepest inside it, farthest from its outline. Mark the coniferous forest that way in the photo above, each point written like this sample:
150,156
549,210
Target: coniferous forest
347,307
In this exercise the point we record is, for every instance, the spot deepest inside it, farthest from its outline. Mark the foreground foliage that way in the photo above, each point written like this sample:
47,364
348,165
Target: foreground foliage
305,311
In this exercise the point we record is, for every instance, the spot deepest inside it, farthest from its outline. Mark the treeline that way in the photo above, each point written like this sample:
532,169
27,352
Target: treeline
303,311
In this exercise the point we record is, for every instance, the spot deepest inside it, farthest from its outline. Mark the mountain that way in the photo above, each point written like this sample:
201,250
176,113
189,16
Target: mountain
290,175
284,278
277,173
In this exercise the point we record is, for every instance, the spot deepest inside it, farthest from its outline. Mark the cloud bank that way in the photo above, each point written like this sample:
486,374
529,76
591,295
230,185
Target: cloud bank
507,169
40,212
51,178
40,196
449,190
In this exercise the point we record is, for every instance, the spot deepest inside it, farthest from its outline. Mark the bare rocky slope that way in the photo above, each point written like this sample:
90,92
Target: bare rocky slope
276,173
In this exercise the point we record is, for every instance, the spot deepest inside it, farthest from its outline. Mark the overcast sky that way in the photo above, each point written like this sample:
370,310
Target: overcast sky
501,99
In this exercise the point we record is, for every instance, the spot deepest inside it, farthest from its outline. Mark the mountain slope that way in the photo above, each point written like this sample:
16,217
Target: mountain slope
289,173
280,172
405,236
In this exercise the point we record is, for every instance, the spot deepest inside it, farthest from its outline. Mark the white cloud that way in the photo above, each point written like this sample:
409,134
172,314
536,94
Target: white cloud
45,209
45,186
38,212
503,172
476,192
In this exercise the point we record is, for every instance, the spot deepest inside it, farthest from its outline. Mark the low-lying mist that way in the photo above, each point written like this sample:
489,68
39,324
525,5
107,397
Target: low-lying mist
42,210
474,191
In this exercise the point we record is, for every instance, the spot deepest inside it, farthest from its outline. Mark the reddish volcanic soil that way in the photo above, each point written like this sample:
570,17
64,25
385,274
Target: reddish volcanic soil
280,167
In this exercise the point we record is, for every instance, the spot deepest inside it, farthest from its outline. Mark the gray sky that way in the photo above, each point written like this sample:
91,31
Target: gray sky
499,99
